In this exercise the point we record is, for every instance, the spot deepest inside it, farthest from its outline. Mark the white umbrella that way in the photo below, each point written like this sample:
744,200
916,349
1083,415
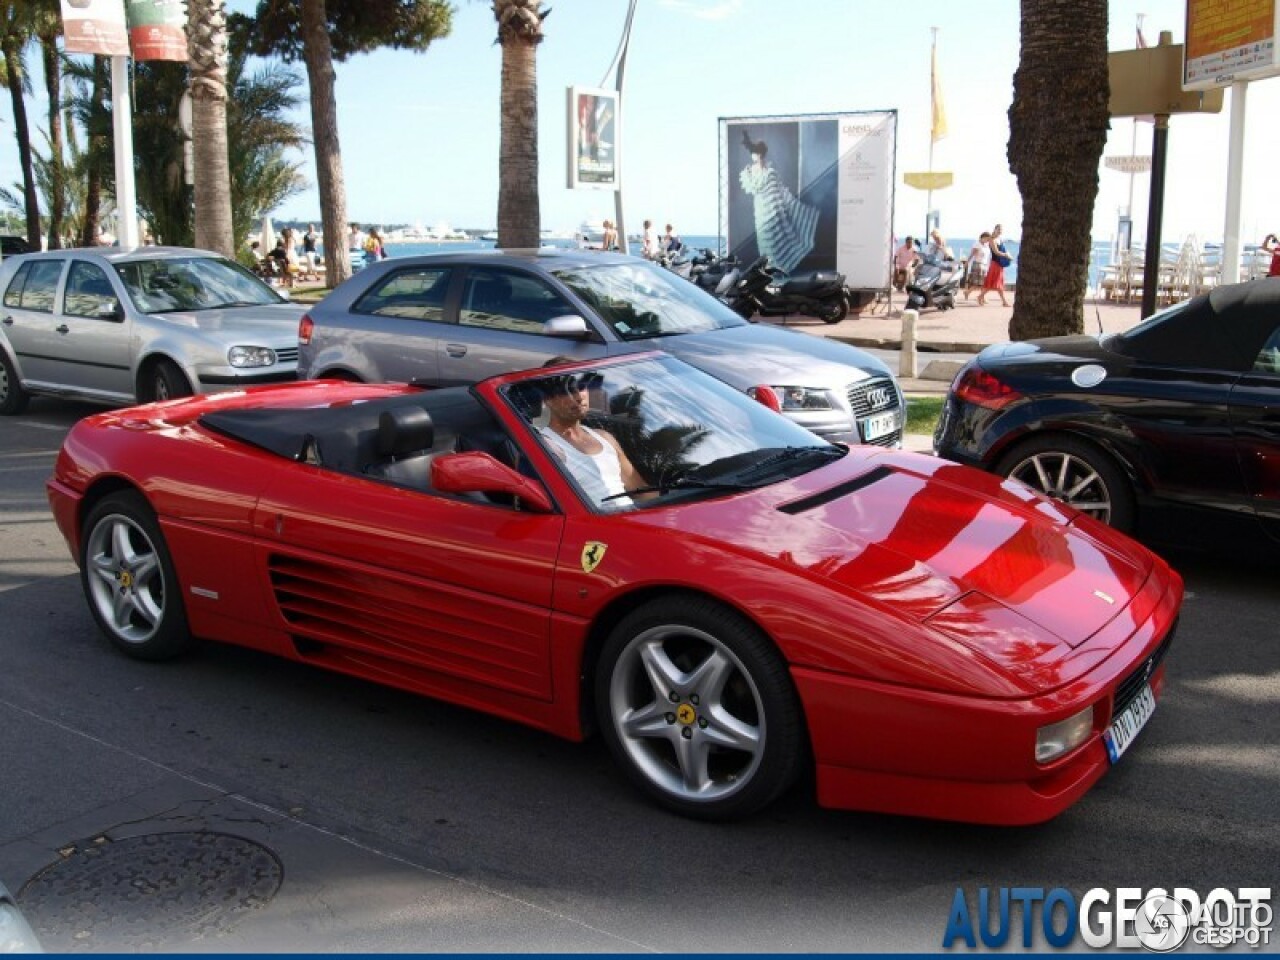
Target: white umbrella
266,239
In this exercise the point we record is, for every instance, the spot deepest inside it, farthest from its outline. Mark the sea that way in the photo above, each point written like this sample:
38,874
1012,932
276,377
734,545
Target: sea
1103,251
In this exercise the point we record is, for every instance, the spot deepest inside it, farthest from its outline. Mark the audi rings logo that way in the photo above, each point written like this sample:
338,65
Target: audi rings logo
879,397
1162,924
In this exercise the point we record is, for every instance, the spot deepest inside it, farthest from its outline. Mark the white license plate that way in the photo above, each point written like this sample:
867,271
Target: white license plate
878,426
1124,728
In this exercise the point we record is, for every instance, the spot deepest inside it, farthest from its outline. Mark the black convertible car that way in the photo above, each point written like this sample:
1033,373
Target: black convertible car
1180,415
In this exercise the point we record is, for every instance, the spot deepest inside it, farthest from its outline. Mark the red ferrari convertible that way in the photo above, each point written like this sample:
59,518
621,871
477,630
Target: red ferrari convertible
634,547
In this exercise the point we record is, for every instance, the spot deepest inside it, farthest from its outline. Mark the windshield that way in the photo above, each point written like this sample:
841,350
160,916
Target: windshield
640,300
192,283
655,431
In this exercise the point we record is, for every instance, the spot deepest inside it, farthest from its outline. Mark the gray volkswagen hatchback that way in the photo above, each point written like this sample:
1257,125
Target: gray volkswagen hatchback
448,319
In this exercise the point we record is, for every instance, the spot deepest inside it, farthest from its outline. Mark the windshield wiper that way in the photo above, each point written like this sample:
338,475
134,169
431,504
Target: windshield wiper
237,303
791,454
681,483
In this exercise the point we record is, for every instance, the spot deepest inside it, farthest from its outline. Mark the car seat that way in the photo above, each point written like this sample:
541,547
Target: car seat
403,444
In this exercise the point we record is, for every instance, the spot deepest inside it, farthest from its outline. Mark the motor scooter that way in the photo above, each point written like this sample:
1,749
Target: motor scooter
765,291
935,284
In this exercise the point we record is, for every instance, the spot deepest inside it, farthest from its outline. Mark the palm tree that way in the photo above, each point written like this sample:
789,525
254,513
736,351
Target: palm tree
330,30
519,33
47,24
1057,130
88,106
16,29
207,49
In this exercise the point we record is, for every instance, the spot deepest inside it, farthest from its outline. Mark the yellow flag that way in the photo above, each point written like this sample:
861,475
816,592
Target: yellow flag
939,129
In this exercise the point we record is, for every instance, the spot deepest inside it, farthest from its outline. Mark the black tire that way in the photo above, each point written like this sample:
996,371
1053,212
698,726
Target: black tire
1076,472
346,376
733,738
166,381
835,312
13,399
129,579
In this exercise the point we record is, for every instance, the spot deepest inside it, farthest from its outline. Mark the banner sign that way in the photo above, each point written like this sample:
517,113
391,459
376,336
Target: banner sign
1227,42
593,139
811,192
95,26
157,29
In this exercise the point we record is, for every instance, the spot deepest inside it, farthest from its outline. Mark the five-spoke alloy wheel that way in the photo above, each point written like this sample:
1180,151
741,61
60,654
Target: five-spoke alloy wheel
130,581
698,707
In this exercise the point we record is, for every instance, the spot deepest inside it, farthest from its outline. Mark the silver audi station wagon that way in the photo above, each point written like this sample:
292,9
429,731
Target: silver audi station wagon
132,326
448,319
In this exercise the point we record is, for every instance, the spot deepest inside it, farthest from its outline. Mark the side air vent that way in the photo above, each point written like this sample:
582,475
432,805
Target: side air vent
836,492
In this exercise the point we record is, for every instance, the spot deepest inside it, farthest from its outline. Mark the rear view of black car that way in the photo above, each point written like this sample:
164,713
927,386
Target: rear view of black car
1170,431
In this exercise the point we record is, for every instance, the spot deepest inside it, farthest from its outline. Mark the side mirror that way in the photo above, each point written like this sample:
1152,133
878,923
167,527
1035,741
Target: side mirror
113,311
570,326
476,472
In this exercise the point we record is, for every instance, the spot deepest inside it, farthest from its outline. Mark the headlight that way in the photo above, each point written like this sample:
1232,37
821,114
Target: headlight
1064,736
251,357
803,398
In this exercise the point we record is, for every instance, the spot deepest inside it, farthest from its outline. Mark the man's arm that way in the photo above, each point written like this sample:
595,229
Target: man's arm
631,479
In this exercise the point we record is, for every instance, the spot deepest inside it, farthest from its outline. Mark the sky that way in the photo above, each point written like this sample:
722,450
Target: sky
420,131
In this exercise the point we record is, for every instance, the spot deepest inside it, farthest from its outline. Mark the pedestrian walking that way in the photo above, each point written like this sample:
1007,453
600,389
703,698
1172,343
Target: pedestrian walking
1000,259
976,268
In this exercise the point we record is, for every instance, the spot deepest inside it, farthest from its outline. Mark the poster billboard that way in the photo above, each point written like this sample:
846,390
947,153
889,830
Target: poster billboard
157,29
95,26
1231,41
593,139
811,192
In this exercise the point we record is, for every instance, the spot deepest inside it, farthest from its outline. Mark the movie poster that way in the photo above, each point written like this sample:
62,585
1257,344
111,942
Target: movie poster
593,139
811,193
95,26
157,29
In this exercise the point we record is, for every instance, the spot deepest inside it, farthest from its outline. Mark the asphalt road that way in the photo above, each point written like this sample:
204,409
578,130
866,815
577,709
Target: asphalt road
285,808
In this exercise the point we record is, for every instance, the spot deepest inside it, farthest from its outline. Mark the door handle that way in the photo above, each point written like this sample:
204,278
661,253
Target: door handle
63,329
7,321
456,349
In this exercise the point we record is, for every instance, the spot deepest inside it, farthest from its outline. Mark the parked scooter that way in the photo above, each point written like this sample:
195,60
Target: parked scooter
762,291
709,271
935,284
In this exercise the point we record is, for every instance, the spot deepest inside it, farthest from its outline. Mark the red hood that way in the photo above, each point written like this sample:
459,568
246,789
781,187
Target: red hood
984,561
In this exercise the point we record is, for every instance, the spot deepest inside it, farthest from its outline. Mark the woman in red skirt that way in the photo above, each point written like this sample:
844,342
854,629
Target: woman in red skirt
995,270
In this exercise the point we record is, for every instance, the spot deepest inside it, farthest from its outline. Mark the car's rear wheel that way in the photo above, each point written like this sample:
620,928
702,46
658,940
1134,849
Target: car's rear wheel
344,375
13,399
166,381
130,581
697,706
1076,472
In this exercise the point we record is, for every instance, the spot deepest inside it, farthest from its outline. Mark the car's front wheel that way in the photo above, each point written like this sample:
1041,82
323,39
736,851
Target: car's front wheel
13,399
697,706
1076,472
166,381
130,581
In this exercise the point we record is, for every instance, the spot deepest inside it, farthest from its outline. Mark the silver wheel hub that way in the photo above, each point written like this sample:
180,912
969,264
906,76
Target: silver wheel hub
126,584
687,713
1067,478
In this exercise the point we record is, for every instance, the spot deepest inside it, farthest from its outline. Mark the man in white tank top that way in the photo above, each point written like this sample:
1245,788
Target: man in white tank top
594,457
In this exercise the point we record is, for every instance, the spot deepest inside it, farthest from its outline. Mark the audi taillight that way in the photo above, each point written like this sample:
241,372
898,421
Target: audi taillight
977,386
305,327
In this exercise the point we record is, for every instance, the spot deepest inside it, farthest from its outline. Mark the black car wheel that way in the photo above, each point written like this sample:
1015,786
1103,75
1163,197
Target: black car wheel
130,581
13,399
697,706
167,382
1075,472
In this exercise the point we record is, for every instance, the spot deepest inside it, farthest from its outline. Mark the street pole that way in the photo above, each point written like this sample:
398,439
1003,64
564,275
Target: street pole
1155,215
620,61
1235,178
122,127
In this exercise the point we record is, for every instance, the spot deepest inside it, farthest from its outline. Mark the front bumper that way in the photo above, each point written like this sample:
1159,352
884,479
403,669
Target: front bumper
895,750
225,378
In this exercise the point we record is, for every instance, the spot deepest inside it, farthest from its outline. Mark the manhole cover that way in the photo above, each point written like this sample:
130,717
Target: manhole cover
150,891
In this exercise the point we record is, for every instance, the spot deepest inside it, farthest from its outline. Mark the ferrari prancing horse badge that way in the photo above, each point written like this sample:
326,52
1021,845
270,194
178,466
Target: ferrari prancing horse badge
592,554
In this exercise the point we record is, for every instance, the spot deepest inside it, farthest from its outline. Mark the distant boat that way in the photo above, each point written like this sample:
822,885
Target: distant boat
491,236
590,235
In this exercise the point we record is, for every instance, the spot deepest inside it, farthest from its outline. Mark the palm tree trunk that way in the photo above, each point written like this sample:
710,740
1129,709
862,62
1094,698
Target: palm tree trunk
317,53
21,130
519,218
57,170
207,43
1057,131
98,150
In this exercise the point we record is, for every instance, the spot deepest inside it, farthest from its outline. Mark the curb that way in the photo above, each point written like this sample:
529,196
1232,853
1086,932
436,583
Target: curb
922,346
